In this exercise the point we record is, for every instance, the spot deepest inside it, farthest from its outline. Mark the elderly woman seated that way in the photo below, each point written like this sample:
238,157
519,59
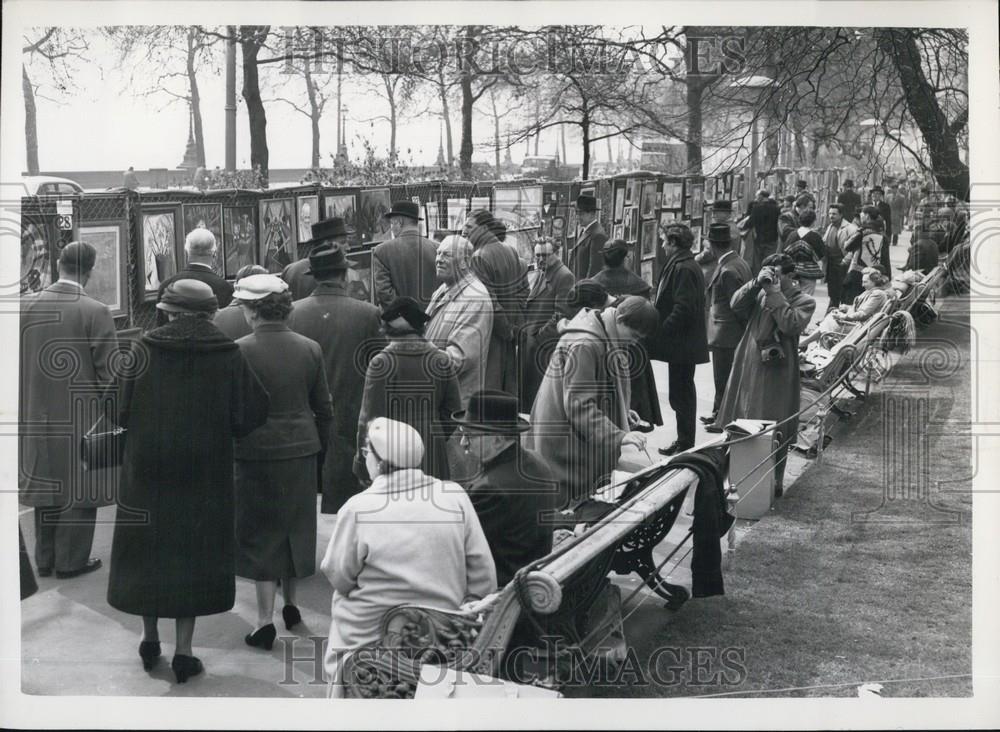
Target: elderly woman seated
407,539
874,297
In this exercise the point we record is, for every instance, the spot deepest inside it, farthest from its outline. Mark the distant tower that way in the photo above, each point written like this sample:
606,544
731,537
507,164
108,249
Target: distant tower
441,162
341,157
190,161
557,153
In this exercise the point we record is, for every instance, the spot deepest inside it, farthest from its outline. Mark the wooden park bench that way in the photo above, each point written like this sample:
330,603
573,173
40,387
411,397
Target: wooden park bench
565,595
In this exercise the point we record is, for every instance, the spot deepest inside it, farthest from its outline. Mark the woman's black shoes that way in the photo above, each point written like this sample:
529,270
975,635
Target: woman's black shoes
185,667
262,637
149,651
291,615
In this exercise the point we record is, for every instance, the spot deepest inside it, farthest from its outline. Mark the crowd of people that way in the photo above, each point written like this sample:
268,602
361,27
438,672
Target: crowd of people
444,425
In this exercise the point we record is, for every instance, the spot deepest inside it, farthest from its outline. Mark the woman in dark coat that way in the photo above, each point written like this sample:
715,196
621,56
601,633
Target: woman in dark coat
190,393
411,381
276,477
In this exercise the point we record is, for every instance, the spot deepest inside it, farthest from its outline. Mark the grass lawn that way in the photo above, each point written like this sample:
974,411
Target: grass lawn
834,589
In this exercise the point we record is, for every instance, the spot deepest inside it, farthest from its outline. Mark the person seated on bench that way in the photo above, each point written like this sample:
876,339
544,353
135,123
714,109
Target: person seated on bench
923,254
514,492
868,303
408,538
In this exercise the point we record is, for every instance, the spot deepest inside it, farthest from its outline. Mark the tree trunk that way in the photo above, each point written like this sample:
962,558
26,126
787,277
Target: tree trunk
314,115
465,151
199,136
538,124
585,132
250,46
390,89
692,145
562,134
939,135
231,99
30,123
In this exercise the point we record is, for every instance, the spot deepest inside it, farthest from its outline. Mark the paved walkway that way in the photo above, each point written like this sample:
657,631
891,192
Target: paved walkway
73,642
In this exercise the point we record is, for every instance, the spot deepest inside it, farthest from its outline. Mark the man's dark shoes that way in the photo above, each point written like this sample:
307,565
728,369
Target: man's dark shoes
92,565
674,448
713,429
707,420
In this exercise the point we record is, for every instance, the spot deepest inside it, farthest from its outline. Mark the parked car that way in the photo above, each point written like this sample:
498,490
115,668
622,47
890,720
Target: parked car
48,185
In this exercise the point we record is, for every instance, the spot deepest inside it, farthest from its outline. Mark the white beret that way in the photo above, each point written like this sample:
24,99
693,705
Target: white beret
258,286
396,443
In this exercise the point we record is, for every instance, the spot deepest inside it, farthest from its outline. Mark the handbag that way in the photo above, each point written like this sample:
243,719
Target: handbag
100,450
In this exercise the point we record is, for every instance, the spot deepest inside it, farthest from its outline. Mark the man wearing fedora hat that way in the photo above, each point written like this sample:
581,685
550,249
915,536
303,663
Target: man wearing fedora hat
325,234
411,381
725,327
722,213
515,491
849,201
884,211
347,331
585,255
403,266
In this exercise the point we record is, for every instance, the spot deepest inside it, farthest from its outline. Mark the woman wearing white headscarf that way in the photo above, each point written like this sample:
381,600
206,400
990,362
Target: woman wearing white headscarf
408,538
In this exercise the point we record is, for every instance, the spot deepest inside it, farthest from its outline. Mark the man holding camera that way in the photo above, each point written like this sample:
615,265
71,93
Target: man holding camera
764,382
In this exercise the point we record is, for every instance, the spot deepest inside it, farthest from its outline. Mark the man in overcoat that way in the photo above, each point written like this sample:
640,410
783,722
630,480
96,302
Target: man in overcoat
764,213
725,328
549,290
884,211
410,381
328,233
850,201
67,343
403,266
514,492
777,312
581,421
585,254
348,332
681,339
505,276
461,313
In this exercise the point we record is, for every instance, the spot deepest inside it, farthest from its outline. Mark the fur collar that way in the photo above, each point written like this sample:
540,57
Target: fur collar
189,334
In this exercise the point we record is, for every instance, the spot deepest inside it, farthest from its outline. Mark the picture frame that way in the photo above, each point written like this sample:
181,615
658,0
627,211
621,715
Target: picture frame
207,216
618,231
646,269
479,202
629,190
667,218
633,225
648,199
432,218
306,214
627,223
619,204
507,207
373,204
456,213
107,283
697,201
649,237
239,236
558,229
277,229
360,278
636,184
673,195
343,205
37,260
159,249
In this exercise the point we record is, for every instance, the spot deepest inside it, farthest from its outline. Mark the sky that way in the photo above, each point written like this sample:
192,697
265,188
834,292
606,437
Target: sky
103,123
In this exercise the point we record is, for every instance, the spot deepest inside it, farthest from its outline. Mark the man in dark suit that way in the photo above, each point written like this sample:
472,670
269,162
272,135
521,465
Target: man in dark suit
681,339
348,332
329,233
585,258
403,266
849,201
725,328
58,405
884,210
200,249
764,212
514,493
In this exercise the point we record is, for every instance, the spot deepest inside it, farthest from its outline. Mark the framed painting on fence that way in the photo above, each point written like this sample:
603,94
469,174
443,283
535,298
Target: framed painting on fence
636,185
628,188
206,216
507,207
107,279
667,218
36,257
618,231
342,205
531,207
646,270
159,249
432,217
648,237
306,214
673,195
277,234
359,277
697,201
372,226
649,199
558,231
619,204
456,213
479,202
239,237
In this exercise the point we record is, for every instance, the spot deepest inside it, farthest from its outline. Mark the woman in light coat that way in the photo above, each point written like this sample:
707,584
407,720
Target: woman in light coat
406,539
867,304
